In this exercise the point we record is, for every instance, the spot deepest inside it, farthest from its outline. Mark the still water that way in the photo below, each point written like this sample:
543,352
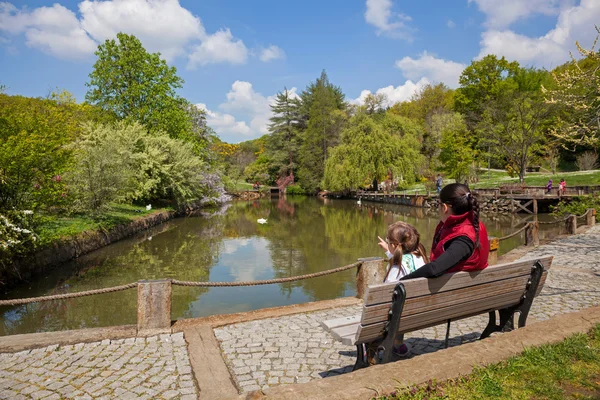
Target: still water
302,235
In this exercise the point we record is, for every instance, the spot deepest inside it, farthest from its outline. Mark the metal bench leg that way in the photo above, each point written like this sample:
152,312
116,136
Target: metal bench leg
532,285
447,335
387,345
361,357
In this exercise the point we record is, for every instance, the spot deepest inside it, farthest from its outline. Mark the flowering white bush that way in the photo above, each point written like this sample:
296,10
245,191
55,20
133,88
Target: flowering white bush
17,238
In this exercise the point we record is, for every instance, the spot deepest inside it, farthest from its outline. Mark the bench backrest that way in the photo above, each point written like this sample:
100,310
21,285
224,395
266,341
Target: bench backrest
431,301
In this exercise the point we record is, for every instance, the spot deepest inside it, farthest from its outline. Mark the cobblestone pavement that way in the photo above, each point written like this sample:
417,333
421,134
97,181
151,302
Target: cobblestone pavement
295,349
142,368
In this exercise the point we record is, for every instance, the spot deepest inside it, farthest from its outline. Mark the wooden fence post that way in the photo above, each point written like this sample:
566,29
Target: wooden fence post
571,224
591,217
370,272
532,234
494,247
154,307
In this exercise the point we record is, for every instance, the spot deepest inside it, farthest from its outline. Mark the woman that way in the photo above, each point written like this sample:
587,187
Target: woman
461,241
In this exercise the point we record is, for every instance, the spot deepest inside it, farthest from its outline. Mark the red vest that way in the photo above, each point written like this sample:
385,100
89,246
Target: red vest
461,225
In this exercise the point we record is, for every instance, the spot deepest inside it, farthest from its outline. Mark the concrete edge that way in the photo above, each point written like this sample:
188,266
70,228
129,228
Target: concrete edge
14,343
225,319
439,366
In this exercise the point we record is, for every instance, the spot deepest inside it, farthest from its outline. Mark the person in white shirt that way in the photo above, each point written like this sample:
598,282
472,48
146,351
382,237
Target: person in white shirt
406,254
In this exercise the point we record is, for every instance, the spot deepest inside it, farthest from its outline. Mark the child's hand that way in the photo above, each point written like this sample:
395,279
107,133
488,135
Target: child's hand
383,244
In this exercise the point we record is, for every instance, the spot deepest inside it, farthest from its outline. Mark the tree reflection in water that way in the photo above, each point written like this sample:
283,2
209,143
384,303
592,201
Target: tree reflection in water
303,235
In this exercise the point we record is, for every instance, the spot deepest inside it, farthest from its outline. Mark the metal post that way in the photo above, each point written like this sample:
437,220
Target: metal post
494,247
532,234
154,307
571,224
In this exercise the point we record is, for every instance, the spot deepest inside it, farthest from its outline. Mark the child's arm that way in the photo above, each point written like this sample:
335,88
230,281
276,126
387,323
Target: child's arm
458,250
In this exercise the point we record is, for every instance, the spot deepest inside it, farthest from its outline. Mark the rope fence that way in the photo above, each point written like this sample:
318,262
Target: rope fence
16,302
168,282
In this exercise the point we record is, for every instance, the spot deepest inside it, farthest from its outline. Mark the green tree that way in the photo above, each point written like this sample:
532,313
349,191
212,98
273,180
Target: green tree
431,100
456,153
325,122
135,85
369,149
578,92
34,134
516,122
307,97
480,83
283,140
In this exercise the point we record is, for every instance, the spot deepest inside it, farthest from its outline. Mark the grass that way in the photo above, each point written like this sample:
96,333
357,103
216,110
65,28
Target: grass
497,177
243,186
52,228
566,370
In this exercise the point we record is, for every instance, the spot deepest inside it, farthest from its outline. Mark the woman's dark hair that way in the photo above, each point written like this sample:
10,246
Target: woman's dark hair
460,198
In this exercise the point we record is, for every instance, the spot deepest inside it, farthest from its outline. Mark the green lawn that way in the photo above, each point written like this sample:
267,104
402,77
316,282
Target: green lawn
243,186
567,370
53,228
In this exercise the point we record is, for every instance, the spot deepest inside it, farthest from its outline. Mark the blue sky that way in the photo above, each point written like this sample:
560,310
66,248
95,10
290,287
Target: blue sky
236,55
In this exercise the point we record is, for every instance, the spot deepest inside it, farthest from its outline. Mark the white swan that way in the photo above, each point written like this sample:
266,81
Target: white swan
261,221
359,202
148,207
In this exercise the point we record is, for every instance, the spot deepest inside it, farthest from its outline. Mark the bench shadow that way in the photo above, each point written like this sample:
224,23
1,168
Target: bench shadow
419,346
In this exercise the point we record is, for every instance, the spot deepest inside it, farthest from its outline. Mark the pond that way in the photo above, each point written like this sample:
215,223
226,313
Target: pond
302,235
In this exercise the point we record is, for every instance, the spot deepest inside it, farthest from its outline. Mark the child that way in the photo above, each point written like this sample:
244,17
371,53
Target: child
562,187
406,254
404,250
461,241
549,186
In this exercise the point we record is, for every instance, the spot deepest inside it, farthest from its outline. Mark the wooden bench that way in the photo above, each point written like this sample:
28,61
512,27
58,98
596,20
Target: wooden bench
405,306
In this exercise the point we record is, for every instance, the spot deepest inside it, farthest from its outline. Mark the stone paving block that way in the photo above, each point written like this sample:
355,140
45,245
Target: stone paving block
299,339
90,370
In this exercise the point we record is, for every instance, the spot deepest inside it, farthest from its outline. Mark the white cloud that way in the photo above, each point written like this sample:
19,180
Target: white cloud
224,124
54,30
394,94
245,112
162,26
271,53
450,24
219,47
574,23
501,14
379,14
434,69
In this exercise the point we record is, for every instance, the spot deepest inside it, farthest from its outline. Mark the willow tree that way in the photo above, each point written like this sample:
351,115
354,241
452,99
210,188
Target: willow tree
578,90
370,148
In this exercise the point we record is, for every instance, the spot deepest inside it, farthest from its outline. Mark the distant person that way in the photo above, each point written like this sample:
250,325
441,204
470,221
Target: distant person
406,254
549,186
461,241
562,187
438,183
375,188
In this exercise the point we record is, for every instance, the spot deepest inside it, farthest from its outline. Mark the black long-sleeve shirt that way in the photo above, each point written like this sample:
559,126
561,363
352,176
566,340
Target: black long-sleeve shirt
456,250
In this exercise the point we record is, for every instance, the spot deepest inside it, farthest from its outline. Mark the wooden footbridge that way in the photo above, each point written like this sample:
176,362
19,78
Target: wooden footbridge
520,199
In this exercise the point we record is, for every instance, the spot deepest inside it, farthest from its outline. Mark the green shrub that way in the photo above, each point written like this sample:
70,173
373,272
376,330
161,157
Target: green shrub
17,238
295,190
123,162
576,206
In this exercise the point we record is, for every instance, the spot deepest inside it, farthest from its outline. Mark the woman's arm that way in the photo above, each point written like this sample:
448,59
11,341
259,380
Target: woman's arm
457,250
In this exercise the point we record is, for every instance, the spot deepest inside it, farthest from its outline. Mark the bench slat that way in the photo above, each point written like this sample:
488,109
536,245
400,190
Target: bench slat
345,331
379,312
382,293
339,322
431,318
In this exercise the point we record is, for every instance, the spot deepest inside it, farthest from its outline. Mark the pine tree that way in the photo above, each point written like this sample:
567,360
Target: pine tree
283,141
323,104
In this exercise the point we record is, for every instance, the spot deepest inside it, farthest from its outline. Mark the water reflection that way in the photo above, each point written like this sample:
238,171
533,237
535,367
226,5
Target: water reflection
303,235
